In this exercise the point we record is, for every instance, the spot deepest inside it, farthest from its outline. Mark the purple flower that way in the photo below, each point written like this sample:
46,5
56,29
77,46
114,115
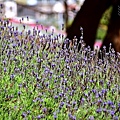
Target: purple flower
99,110
104,104
29,32
97,95
1,6
112,113
44,110
61,105
116,118
60,94
27,18
39,117
67,60
5,70
47,84
24,26
94,91
54,115
66,88
20,85
99,102
91,81
70,115
74,103
68,105
73,117
91,118
46,70
101,82
4,62
113,106
38,31
24,115
55,81
62,75
103,91
119,105
55,97
104,110
19,93
40,105
110,103
12,76
28,112
38,60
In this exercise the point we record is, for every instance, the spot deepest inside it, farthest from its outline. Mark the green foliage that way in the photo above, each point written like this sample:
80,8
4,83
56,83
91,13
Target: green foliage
100,33
106,16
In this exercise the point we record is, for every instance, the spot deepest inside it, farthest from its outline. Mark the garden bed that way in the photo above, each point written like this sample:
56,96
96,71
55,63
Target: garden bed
40,80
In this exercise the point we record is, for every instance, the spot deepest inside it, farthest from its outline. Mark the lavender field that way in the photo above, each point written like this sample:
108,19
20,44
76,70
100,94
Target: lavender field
41,81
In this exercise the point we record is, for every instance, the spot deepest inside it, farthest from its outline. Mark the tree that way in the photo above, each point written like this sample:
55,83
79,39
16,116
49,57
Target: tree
88,17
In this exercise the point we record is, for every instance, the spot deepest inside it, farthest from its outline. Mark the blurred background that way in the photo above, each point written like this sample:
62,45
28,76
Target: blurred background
49,13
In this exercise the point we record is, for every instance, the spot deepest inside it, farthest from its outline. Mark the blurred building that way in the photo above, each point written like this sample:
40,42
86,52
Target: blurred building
46,11
8,8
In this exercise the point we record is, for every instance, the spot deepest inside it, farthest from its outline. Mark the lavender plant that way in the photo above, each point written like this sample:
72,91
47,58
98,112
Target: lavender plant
40,80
